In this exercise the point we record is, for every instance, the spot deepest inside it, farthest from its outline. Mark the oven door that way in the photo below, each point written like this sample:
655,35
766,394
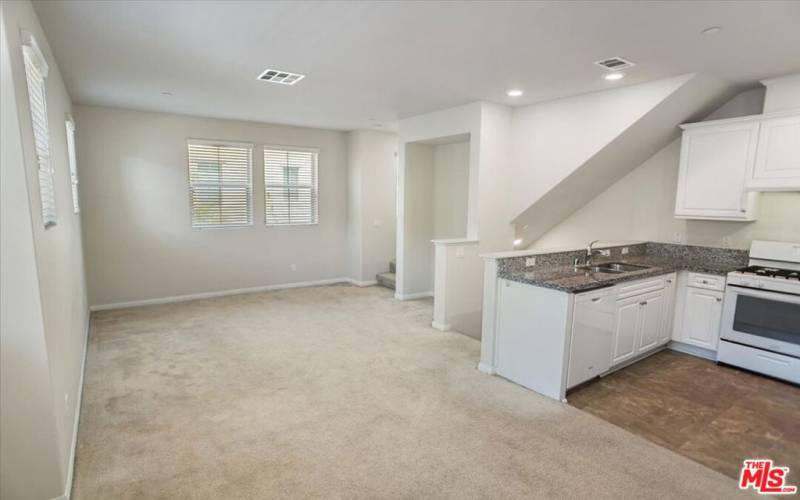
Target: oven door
762,319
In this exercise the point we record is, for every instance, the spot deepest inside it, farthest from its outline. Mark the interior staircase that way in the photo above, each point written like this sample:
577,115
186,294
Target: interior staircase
388,279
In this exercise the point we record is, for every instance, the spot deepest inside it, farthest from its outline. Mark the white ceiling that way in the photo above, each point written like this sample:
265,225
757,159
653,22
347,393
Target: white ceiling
381,61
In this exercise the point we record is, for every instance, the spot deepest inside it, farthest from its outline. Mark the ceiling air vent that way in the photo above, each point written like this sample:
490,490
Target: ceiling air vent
614,63
282,77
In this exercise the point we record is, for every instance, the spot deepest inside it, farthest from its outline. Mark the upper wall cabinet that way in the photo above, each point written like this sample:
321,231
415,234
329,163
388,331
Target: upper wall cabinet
777,165
716,158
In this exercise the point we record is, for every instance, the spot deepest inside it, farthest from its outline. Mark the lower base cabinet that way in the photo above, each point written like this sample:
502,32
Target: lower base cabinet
701,318
613,325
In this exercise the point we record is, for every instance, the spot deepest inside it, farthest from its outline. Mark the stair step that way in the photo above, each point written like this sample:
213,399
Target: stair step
392,266
386,279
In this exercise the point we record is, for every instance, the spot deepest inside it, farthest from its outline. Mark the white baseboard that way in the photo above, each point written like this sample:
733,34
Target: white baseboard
79,401
444,327
693,350
362,283
220,293
487,369
412,296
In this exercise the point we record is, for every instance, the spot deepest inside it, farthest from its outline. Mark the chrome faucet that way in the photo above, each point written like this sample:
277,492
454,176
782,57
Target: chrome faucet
590,252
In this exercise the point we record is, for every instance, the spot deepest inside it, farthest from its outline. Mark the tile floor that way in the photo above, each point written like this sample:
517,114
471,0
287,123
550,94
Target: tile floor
713,414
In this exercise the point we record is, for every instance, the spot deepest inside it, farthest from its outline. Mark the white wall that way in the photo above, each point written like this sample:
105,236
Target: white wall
551,139
450,190
372,187
641,205
44,306
138,235
783,93
419,223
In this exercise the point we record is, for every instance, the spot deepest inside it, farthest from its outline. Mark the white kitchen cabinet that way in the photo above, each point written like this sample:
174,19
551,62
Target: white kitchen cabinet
643,317
592,333
777,163
652,320
626,328
716,158
670,285
701,317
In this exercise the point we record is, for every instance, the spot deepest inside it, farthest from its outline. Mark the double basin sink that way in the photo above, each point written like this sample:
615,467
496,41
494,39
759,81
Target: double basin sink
610,268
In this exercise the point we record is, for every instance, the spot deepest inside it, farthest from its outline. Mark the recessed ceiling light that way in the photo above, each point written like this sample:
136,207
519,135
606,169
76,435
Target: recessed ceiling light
713,30
614,76
280,76
514,93
517,242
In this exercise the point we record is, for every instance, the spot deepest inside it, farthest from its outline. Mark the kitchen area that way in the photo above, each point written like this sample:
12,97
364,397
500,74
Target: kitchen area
694,347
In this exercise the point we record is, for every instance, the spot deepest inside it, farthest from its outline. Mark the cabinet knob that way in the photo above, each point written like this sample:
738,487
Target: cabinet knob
742,210
719,299
669,281
596,299
643,303
705,282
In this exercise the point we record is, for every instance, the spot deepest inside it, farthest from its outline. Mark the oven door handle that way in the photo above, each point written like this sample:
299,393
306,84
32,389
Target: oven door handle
760,294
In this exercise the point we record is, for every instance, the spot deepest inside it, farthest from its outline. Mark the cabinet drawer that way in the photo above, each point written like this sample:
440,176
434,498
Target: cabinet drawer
626,290
707,281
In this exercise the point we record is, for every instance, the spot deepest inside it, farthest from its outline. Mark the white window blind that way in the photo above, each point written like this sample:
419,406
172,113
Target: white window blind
220,183
290,184
73,164
35,73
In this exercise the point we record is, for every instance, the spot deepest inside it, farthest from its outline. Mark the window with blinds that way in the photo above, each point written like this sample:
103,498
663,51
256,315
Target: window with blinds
220,184
35,73
73,164
290,184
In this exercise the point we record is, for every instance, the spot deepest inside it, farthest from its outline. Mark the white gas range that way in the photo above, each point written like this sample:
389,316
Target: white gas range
761,316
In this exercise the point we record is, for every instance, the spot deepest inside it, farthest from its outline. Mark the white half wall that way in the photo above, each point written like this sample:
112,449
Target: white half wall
138,234
372,203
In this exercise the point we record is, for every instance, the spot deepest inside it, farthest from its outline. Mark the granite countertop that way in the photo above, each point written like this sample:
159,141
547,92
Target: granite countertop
570,280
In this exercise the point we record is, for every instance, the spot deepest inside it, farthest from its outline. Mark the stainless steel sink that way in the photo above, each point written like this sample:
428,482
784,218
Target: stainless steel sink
621,266
611,268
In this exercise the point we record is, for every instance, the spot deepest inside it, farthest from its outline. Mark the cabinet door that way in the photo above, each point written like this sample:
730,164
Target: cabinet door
592,336
714,164
626,326
777,165
668,315
701,318
652,320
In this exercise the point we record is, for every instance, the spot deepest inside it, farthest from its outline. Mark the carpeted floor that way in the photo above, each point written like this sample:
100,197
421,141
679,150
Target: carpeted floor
337,392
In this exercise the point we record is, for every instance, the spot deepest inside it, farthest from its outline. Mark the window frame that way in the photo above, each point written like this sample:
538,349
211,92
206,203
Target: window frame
315,187
220,143
73,163
35,64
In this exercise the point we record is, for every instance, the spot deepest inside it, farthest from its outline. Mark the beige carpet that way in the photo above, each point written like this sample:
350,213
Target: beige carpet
337,392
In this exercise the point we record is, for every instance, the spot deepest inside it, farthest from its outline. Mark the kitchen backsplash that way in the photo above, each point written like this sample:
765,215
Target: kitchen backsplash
724,256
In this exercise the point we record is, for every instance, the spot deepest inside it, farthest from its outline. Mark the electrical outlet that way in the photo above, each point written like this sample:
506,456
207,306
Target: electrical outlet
460,252
726,242
530,261
625,250
376,223
293,267
677,237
